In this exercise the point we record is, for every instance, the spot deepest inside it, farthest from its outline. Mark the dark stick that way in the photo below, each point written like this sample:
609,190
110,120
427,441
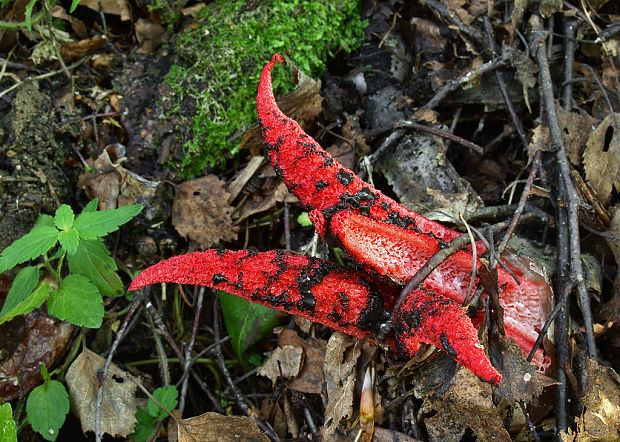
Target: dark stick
188,350
569,194
440,133
502,87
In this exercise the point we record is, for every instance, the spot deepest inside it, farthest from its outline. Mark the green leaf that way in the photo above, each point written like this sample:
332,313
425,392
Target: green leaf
64,217
92,225
144,426
33,244
23,285
44,220
28,14
74,4
69,240
47,407
91,206
167,396
93,260
247,323
32,301
304,220
8,431
77,301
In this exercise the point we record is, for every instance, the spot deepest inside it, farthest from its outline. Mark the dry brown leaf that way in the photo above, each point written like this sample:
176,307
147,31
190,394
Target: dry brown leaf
114,185
340,372
520,379
235,187
601,415
214,426
310,378
468,403
118,404
150,35
257,203
77,49
540,141
282,362
291,422
601,159
614,239
200,211
26,342
576,127
112,7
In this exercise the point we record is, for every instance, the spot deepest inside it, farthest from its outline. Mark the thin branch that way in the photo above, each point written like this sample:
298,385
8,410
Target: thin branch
569,195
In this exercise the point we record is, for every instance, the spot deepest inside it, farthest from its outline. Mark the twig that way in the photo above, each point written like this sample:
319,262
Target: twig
453,85
440,133
451,17
502,87
43,76
103,373
190,347
236,392
163,359
522,201
569,195
287,226
530,425
604,92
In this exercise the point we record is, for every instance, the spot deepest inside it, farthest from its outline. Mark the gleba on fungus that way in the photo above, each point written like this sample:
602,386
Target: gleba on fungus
381,235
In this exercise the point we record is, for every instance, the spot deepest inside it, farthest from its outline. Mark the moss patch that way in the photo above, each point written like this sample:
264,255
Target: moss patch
219,63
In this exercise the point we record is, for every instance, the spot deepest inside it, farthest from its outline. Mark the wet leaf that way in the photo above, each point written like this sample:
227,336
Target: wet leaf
246,323
214,426
92,260
47,407
118,405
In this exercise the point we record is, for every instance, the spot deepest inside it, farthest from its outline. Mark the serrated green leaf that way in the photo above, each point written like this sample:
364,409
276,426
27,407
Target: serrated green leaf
23,285
77,301
47,407
93,260
44,220
93,225
144,426
247,323
8,431
69,240
91,206
167,396
33,244
32,301
63,219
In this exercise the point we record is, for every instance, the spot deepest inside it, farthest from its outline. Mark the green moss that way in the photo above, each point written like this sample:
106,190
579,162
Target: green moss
219,63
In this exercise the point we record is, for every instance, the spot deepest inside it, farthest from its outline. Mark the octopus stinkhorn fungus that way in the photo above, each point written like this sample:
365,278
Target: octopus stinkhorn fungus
380,234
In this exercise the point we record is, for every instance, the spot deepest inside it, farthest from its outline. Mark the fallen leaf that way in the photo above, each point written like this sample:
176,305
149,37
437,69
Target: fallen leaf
614,240
601,159
467,403
26,343
118,403
76,49
340,371
310,377
200,211
282,362
576,127
599,420
214,426
150,35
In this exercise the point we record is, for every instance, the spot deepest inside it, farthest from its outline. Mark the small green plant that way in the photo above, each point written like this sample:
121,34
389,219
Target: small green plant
47,407
74,295
148,416
28,20
8,429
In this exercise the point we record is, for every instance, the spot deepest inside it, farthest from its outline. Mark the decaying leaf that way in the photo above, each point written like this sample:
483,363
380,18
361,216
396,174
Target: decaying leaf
521,381
74,50
339,371
614,239
540,141
112,7
114,185
26,342
601,414
310,378
200,211
118,404
467,403
214,426
283,362
150,35
601,159
576,127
